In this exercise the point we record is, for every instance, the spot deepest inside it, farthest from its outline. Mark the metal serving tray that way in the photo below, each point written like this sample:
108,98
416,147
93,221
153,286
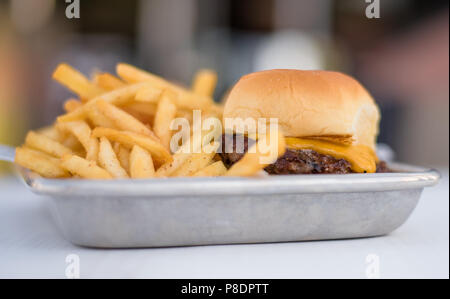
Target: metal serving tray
201,211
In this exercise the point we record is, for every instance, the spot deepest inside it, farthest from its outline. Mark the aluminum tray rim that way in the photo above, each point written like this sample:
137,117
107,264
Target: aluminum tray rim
410,177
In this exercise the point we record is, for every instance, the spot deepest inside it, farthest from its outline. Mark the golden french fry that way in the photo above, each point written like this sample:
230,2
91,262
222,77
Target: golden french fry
252,162
165,113
39,162
215,169
72,104
133,74
184,98
194,163
97,118
65,138
160,154
107,81
186,151
108,160
92,150
77,114
70,141
119,97
141,163
123,120
149,94
147,109
76,82
205,82
82,132
123,154
84,168
46,144
53,133
143,112
170,167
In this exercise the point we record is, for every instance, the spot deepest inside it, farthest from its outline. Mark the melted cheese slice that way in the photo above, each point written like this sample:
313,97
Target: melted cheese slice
361,157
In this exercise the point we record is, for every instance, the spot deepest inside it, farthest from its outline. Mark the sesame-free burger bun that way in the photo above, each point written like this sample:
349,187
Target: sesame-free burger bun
307,104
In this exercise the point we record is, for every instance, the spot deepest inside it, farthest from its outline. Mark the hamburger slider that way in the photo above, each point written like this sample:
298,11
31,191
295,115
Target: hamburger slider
329,119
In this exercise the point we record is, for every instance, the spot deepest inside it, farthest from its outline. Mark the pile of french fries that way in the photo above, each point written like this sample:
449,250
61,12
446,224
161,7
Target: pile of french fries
119,127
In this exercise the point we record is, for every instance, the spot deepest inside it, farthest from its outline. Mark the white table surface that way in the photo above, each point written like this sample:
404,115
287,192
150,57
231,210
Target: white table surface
31,246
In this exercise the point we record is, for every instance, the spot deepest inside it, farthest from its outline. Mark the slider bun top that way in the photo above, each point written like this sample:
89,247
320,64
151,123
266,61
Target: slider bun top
322,104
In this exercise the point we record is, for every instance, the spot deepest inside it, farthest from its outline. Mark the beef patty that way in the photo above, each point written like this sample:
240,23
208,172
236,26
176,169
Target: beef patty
293,161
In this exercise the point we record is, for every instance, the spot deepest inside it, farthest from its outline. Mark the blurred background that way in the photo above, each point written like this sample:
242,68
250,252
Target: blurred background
402,57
